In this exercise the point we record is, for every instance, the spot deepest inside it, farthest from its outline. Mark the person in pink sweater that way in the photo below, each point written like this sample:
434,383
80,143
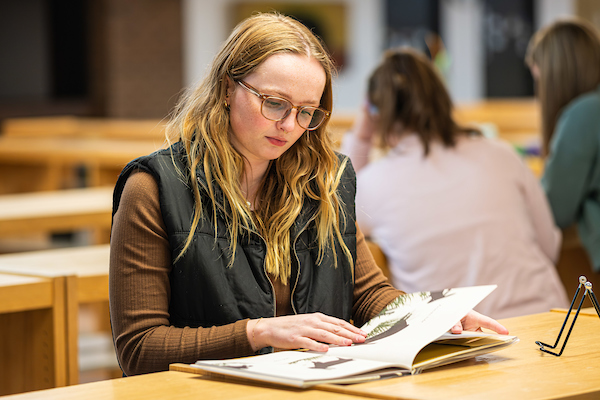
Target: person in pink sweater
448,206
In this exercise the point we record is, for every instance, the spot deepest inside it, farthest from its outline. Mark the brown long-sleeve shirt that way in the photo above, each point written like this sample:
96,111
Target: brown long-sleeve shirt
140,263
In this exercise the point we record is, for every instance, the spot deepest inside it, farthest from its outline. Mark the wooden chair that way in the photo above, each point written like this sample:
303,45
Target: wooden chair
33,352
573,262
380,258
85,274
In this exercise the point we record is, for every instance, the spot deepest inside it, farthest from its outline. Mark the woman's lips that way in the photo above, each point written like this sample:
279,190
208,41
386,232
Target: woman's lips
276,142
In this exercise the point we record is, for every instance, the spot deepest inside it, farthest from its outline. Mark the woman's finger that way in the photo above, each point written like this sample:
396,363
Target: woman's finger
311,331
474,321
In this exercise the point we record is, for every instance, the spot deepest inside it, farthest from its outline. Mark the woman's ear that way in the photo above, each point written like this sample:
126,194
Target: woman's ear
229,87
535,71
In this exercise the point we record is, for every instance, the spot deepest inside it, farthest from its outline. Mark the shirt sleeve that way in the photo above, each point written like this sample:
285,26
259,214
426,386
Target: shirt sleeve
573,151
140,263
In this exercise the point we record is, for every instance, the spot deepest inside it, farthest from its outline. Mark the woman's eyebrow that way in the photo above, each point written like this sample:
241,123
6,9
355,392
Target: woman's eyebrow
286,96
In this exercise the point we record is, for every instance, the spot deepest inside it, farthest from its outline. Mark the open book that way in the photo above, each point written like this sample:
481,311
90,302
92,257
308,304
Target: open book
408,336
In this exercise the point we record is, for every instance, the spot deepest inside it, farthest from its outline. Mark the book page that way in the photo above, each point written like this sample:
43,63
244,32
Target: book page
450,348
297,368
395,337
411,322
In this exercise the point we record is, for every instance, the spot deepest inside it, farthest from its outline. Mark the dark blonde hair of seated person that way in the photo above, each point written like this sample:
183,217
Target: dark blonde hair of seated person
567,55
309,169
410,96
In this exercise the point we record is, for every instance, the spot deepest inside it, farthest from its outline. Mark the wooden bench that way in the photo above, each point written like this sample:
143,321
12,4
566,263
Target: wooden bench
85,273
33,352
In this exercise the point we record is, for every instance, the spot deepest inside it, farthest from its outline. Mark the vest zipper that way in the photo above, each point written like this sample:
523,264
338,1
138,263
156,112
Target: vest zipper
298,263
264,265
267,275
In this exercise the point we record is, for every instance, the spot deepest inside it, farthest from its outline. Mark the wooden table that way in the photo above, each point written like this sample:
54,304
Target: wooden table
71,126
40,214
520,371
32,333
55,211
85,274
176,385
49,153
590,311
510,116
89,264
52,163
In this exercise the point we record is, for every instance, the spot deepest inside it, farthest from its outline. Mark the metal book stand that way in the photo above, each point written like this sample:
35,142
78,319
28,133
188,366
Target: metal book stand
583,282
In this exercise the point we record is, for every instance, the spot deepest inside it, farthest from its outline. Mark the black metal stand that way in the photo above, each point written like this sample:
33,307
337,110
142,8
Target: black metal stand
583,283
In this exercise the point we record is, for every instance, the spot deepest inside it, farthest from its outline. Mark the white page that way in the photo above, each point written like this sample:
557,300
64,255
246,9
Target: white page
427,319
427,316
287,365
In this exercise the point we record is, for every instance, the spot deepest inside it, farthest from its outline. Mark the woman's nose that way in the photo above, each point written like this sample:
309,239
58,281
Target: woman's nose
289,123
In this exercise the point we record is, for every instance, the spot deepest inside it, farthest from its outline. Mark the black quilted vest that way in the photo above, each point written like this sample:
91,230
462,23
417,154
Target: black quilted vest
205,292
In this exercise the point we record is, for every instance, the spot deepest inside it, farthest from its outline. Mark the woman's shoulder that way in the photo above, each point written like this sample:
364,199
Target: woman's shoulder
488,145
587,104
345,162
492,152
578,123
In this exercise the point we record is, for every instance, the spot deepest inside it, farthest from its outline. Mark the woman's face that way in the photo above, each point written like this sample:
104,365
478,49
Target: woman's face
297,78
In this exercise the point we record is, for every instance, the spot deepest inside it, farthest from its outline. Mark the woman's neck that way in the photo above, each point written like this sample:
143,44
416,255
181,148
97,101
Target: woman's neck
251,181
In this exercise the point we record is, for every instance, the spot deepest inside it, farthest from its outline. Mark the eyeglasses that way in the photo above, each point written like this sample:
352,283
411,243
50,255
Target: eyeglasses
276,108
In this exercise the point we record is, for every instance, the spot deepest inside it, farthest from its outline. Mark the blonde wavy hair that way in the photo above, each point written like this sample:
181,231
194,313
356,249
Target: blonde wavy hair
567,54
310,169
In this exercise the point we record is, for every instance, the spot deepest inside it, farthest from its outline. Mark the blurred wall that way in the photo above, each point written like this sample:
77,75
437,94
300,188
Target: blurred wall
139,54
206,27
90,57
461,27
26,74
136,65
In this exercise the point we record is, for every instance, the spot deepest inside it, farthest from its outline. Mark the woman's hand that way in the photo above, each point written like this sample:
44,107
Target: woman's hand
474,321
309,331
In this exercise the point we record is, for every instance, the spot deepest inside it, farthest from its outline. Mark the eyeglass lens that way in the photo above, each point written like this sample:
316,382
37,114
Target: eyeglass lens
276,109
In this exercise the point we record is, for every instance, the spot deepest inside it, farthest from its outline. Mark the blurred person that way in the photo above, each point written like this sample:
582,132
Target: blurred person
240,238
564,59
449,207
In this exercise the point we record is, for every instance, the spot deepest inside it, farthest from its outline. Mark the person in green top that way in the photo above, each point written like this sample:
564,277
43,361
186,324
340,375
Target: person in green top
564,59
